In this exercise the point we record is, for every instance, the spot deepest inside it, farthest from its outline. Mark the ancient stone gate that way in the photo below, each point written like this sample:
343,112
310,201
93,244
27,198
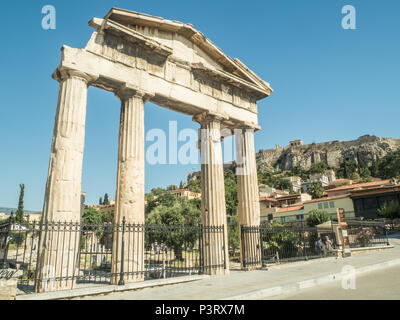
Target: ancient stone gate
145,58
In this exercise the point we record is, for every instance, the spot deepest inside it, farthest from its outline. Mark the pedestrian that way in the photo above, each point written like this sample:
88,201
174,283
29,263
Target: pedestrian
328,245
320,246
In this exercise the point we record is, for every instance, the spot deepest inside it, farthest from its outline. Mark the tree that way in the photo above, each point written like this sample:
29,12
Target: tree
19,216
91,216
346,168
194,185
319,167
374,169
164,199
316,217
316,190
172,187
390,211
157,191
101,201
106,202
179,212
231,198
365,173
233,235
283,184
389,165
354,176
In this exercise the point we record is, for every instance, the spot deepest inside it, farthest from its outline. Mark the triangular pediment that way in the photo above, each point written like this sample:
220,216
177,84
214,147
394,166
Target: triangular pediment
182,42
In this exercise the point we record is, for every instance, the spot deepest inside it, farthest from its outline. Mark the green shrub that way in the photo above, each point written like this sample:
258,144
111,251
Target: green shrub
317,217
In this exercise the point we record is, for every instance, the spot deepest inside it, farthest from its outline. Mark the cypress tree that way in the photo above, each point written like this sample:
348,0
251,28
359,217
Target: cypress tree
19,216
101,201
106,201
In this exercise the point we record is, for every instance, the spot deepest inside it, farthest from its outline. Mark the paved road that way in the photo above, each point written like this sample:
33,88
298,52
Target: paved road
378,285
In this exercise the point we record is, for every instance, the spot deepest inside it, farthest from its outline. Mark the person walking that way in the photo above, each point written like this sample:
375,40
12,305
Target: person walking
320,246
328,245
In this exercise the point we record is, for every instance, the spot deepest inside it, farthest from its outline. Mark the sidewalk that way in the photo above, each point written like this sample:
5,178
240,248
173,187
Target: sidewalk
261,284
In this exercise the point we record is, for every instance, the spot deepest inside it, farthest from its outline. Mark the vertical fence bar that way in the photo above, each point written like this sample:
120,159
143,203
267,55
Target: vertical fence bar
304,242
242,231
121,278
5,258
386,235
201,262
223,248
261,246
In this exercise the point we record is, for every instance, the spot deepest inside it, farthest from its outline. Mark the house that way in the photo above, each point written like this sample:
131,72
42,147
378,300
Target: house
290,199
350,187
295,182
34,216
305,184
368,200
185,193
325,178
270,207
293,213
267,191
299,211
330,205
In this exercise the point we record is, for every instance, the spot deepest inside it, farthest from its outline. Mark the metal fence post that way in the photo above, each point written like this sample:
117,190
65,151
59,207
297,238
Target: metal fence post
201,261
261,246
386,235
5,263
243,246
121,276
304,242
223,248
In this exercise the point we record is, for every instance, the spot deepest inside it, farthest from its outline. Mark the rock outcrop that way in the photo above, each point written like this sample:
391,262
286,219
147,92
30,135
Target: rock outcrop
365,150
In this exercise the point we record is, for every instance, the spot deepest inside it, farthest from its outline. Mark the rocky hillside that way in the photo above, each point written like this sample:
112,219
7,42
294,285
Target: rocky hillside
365,150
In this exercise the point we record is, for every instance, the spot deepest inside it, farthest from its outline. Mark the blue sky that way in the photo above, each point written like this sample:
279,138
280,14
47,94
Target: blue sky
330,83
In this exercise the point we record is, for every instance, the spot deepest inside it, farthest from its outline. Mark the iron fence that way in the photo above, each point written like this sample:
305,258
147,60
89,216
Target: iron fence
274,244
367,233
85,252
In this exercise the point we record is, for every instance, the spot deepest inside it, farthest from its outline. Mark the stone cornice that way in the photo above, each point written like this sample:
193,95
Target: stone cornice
233,66
130,35
224,76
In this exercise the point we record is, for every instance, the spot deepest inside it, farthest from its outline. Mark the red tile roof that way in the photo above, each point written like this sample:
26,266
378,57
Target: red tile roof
345,195
360,185
268,199
291,208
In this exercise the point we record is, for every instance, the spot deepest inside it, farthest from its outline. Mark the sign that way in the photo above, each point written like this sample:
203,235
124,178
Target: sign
341,216
344,237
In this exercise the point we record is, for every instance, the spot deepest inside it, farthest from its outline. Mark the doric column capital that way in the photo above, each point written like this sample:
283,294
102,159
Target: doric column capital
247,125
126,92
62,74
205,118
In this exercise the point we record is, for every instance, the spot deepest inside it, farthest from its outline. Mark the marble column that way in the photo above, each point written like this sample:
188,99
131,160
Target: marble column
215,242
58,259
248,196
130,196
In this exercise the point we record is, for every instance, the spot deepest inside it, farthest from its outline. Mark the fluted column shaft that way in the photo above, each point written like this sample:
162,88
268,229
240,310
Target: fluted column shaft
215,242
58,259
248,194
130,188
